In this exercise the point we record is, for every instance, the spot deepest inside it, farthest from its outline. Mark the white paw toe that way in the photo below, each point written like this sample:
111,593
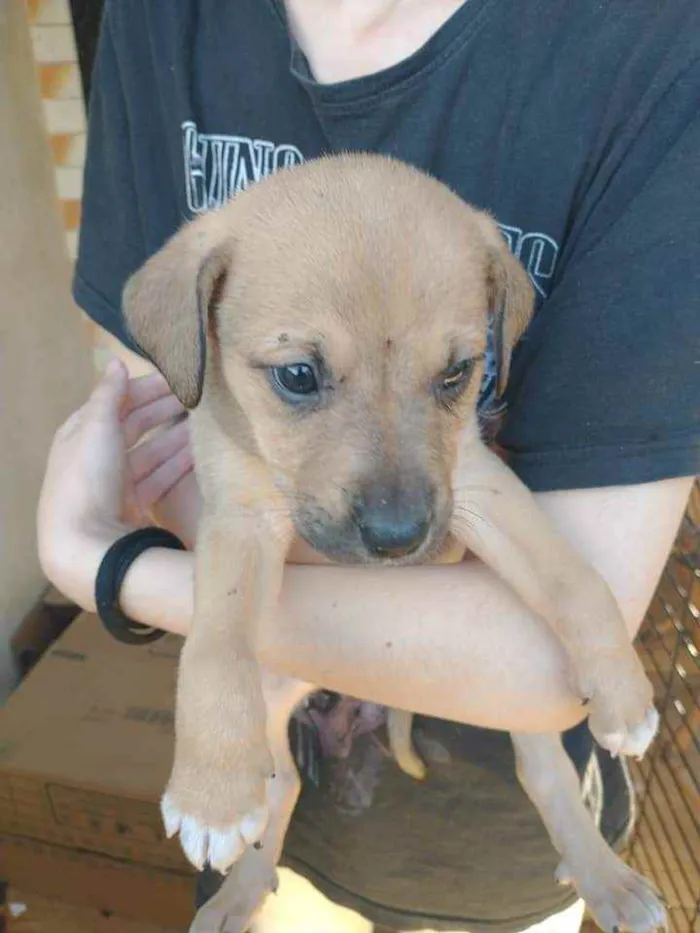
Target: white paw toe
253,826
636,740
194,840
172,818
224,849
613,741
640,737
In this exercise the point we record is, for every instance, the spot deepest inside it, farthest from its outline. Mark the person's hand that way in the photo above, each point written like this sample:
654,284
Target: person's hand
161,486
98,484
174,496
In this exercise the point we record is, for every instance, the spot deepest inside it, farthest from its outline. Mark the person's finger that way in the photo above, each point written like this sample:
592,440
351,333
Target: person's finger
132,514
145,389
149,416
155,450
157,484
70,427
108,395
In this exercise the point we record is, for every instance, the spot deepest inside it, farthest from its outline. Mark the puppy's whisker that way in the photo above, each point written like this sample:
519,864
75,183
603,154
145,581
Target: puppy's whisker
464,524
463,510
468,487
259,512
467,518
295,497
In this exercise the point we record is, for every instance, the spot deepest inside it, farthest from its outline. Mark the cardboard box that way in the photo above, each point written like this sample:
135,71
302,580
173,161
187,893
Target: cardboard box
46,621
85,751
30,913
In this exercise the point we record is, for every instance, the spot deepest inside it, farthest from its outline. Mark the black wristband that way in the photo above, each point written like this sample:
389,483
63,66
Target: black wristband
110,576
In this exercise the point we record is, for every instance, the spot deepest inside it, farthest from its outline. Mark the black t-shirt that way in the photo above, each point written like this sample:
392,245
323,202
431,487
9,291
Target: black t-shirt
577,124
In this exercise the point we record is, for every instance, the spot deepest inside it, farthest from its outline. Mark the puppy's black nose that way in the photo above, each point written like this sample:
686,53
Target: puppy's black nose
393,538
393,526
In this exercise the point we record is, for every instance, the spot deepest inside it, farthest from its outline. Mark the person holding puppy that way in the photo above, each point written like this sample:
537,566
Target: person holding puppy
594,184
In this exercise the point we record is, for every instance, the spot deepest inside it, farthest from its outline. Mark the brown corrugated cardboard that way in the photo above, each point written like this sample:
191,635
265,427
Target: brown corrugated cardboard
85,748
42,625
30,913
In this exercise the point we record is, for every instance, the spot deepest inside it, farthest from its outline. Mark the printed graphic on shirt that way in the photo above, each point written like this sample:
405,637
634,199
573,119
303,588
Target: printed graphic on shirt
219,166
537,252
592,788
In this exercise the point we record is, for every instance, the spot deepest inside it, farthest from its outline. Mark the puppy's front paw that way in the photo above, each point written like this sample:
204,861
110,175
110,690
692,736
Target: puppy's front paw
217,812
633,741
207,840
622,716
617,897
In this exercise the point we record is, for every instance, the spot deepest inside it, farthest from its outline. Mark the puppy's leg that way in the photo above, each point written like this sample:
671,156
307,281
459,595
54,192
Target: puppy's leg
399,726
616,895
216,797
497,518
254,876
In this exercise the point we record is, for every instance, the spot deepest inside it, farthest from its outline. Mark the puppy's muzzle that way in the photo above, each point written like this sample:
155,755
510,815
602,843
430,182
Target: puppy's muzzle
393,526
382,523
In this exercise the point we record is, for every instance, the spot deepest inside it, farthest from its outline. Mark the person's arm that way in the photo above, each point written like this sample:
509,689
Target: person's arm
448,641
453,641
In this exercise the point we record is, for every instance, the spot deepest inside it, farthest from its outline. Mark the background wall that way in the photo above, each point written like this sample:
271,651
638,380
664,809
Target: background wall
45,363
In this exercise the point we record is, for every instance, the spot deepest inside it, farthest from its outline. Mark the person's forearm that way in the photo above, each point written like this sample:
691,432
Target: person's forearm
447,641
158,589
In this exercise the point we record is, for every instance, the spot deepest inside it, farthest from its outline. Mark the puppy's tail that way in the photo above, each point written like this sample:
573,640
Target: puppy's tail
398,727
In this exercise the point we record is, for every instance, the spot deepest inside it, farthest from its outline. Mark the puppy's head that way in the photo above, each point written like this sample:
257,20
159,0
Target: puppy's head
341,308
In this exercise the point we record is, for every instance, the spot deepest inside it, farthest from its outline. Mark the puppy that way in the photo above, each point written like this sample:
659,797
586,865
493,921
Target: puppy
328,330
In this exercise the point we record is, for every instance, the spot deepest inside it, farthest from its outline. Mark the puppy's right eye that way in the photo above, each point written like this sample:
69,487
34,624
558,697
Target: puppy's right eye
295,381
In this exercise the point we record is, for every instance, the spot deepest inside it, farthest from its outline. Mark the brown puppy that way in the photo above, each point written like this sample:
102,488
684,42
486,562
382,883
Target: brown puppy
328,329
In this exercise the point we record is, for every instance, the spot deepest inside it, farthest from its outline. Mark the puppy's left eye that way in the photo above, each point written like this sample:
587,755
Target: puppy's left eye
295,381
454,379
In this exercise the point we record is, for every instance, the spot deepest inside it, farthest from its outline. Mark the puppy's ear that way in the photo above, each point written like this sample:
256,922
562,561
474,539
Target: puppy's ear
511,299
167,302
